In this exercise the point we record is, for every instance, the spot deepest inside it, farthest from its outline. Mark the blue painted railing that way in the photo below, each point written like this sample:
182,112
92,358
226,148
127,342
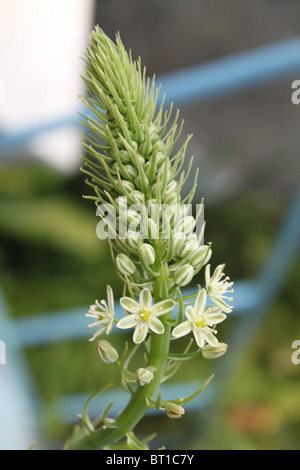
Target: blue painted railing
19,401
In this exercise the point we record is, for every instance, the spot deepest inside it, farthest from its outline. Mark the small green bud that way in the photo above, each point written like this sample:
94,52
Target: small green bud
171,187
184,275
107,352
152,229
127,185
125,157
141,159
211,352
137,196
171,198
147,253
144,376
179,239
133,216
202,255
125,265
131,170
189,247
132,239
188,224
174,411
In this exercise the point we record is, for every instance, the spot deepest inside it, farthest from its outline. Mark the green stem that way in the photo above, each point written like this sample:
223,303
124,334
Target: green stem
137,405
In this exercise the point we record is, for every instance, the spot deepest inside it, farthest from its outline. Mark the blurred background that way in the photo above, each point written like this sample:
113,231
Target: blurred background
246,144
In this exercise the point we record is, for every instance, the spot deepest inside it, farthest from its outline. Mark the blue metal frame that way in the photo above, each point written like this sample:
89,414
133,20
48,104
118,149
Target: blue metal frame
19,401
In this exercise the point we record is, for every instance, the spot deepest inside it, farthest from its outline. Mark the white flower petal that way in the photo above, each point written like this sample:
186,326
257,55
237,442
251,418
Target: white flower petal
182,329
110,299
162,307
209,337
198,337
127,322
140,333
99,332
217,273
215,318
222,305
109,327
200,302
207,274
130,305
156,325
190,314
145,298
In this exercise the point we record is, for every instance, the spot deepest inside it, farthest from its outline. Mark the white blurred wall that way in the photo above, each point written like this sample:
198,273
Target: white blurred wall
41,42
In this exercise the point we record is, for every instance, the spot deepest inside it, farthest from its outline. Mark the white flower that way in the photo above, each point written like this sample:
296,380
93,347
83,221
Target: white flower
217,288
143,315
199,320
103,314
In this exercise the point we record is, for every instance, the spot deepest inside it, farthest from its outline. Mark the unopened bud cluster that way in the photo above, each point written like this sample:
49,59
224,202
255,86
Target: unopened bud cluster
135,171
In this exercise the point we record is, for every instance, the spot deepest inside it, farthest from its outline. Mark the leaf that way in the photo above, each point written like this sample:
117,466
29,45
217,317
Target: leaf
84,419
184,401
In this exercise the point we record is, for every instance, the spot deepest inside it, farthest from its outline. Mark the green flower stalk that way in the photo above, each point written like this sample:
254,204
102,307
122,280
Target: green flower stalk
155,242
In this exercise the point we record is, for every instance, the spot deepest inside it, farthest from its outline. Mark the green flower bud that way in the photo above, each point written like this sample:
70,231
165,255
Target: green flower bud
132,238
189,247
184,275
141,159
125,157
127,185
107,352
133,216
202,255
186,225
137,196
124,264
174,411
144,376
171,198
131,170
211,352
147,253
179,239
171,187
152,229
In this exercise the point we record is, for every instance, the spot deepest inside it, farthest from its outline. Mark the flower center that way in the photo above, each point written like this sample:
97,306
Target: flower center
201,323
144,315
